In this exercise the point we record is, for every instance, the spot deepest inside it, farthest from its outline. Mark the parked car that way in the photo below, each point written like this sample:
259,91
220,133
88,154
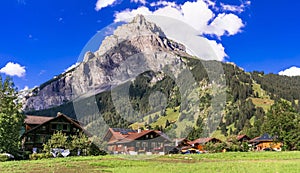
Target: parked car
268,149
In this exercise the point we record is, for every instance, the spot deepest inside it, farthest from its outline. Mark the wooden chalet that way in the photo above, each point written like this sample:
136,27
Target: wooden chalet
265,142
201,142
39,129
243,138
136,141
182,142
239,138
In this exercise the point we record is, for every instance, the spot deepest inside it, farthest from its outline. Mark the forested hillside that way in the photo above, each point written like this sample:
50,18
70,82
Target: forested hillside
249,97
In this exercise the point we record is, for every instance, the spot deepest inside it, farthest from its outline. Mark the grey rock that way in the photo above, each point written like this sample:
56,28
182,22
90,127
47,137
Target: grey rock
133,48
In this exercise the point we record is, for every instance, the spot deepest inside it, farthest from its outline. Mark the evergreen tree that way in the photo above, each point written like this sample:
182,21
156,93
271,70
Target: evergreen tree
283,123
11,120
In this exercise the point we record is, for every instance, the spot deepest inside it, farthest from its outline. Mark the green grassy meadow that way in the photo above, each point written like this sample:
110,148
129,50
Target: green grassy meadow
273,162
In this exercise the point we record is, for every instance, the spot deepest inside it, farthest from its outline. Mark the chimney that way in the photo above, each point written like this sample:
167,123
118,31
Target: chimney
58,114
139,130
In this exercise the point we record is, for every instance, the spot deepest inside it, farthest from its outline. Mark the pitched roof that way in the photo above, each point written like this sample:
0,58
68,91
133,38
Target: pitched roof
239,137
264,137
58,116
120,133
135,136
30,119
128,135
202,140
254,139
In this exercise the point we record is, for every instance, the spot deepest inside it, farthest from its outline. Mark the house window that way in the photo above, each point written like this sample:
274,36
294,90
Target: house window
43,128
54,126
153,144
144,144
66,127
137,144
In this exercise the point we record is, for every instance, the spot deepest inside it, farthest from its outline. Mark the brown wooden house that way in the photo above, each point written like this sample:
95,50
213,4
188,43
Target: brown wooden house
39,129
200,143
182,142
239,138
126,141
243,138
265,142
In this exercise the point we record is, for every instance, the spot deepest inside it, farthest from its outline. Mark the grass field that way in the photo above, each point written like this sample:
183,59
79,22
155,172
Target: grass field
265,162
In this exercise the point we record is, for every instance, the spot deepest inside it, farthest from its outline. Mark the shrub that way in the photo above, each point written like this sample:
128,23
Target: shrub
94,150
38,156
4,157
22,155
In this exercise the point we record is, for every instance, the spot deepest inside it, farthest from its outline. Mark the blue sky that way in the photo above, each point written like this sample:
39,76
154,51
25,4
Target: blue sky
46,37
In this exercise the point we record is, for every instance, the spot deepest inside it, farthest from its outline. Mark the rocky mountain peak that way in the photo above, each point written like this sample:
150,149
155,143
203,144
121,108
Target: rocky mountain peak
142,34
105,68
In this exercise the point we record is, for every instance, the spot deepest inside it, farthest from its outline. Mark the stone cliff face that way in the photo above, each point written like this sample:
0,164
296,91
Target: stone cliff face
132,49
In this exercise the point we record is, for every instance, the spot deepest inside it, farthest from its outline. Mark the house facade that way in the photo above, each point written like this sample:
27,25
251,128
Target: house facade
136,141
265,142
38,130
201,142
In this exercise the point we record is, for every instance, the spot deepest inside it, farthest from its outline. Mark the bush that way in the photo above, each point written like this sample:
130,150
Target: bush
234,148
4,157
214,148
38,156
22,155
95,151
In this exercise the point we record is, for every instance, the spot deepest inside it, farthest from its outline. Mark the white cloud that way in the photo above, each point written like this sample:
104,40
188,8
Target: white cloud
225,24
13,69
235,8
163,3
139,1
293,71
104,3
127,14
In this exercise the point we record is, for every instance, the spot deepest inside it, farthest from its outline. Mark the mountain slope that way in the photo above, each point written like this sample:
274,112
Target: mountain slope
92,84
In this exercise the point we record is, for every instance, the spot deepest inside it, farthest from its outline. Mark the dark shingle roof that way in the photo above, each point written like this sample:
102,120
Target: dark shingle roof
264,137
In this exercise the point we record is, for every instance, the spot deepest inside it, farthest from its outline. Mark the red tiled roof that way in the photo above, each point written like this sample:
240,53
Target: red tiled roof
131,135
202,141
239,137
118,135
254,139
135,136
30,119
